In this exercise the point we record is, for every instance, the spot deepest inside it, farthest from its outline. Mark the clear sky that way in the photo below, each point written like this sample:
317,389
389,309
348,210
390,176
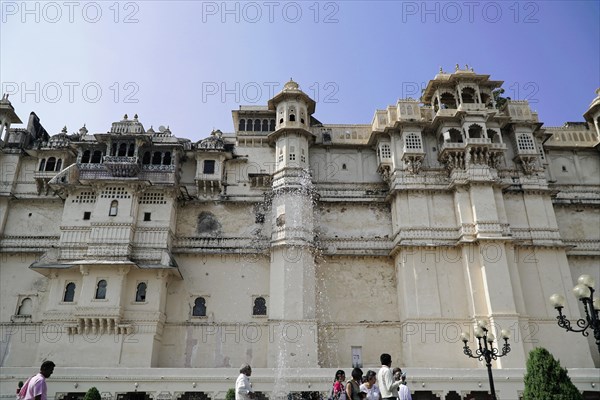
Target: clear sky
187,64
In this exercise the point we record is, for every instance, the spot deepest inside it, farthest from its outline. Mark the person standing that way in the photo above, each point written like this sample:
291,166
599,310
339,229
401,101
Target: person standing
387,386
338,391
371,387
35,388
243,388
353,385
403,390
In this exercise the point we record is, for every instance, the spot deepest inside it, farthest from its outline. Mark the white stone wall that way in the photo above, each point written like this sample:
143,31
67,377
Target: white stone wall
370,254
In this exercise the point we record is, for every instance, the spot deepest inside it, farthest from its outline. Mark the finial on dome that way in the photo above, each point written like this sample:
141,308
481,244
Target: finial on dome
467,67
441,71
64,129
291,85
135,117
457,67
125,116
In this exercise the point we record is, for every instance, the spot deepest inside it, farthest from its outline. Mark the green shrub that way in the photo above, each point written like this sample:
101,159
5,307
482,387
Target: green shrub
546,379
92,394
230,394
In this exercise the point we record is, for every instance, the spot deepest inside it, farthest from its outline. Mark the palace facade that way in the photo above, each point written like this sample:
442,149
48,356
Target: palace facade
149,265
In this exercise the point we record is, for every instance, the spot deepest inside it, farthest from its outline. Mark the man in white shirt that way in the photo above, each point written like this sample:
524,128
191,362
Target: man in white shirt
403,390
243,388
387,386
35,388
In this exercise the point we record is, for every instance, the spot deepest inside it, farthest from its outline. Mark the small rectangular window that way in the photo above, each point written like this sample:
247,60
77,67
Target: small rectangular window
86,215
147,216
209,167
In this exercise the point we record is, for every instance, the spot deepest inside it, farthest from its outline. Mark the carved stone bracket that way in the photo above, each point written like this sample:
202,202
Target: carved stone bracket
454,160
386,172
528,163
414,163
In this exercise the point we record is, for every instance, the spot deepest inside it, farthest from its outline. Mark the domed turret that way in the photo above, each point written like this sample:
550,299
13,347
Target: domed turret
292,135
293,107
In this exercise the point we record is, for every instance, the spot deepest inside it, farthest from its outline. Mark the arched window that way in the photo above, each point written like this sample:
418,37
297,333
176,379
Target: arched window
42,164
475,131
114,208
272,125
167,158
455,136
448,100
249,125
86,157
492,134
131,150
242,126
468,95
257,125
146,158
140,293
156,158
122,150
113,149
281,121
199,307
69,292
265,125
97,157
58,165
26,307
486,100
50,164
101,290
260,306
292,117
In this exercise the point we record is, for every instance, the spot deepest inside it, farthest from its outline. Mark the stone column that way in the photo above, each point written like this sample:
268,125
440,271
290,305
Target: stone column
292,273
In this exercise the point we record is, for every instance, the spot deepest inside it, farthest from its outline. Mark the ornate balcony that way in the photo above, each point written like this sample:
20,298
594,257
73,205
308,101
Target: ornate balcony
99,320
41,180
472,107
122,166
474,151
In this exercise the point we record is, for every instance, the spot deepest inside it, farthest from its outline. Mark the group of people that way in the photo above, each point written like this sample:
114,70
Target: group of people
386,384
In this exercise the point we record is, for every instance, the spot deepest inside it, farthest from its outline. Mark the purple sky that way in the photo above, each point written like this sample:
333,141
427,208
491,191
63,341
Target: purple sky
187,64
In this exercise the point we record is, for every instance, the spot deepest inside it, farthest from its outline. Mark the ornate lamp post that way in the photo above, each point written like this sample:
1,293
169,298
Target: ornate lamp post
486,350
584,291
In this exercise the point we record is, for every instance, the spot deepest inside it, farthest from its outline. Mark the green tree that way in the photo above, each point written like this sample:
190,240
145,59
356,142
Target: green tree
92,394
230,394
545,379
500,101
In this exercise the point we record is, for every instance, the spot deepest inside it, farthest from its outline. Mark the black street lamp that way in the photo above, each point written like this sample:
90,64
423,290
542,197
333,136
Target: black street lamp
584,291
486,350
